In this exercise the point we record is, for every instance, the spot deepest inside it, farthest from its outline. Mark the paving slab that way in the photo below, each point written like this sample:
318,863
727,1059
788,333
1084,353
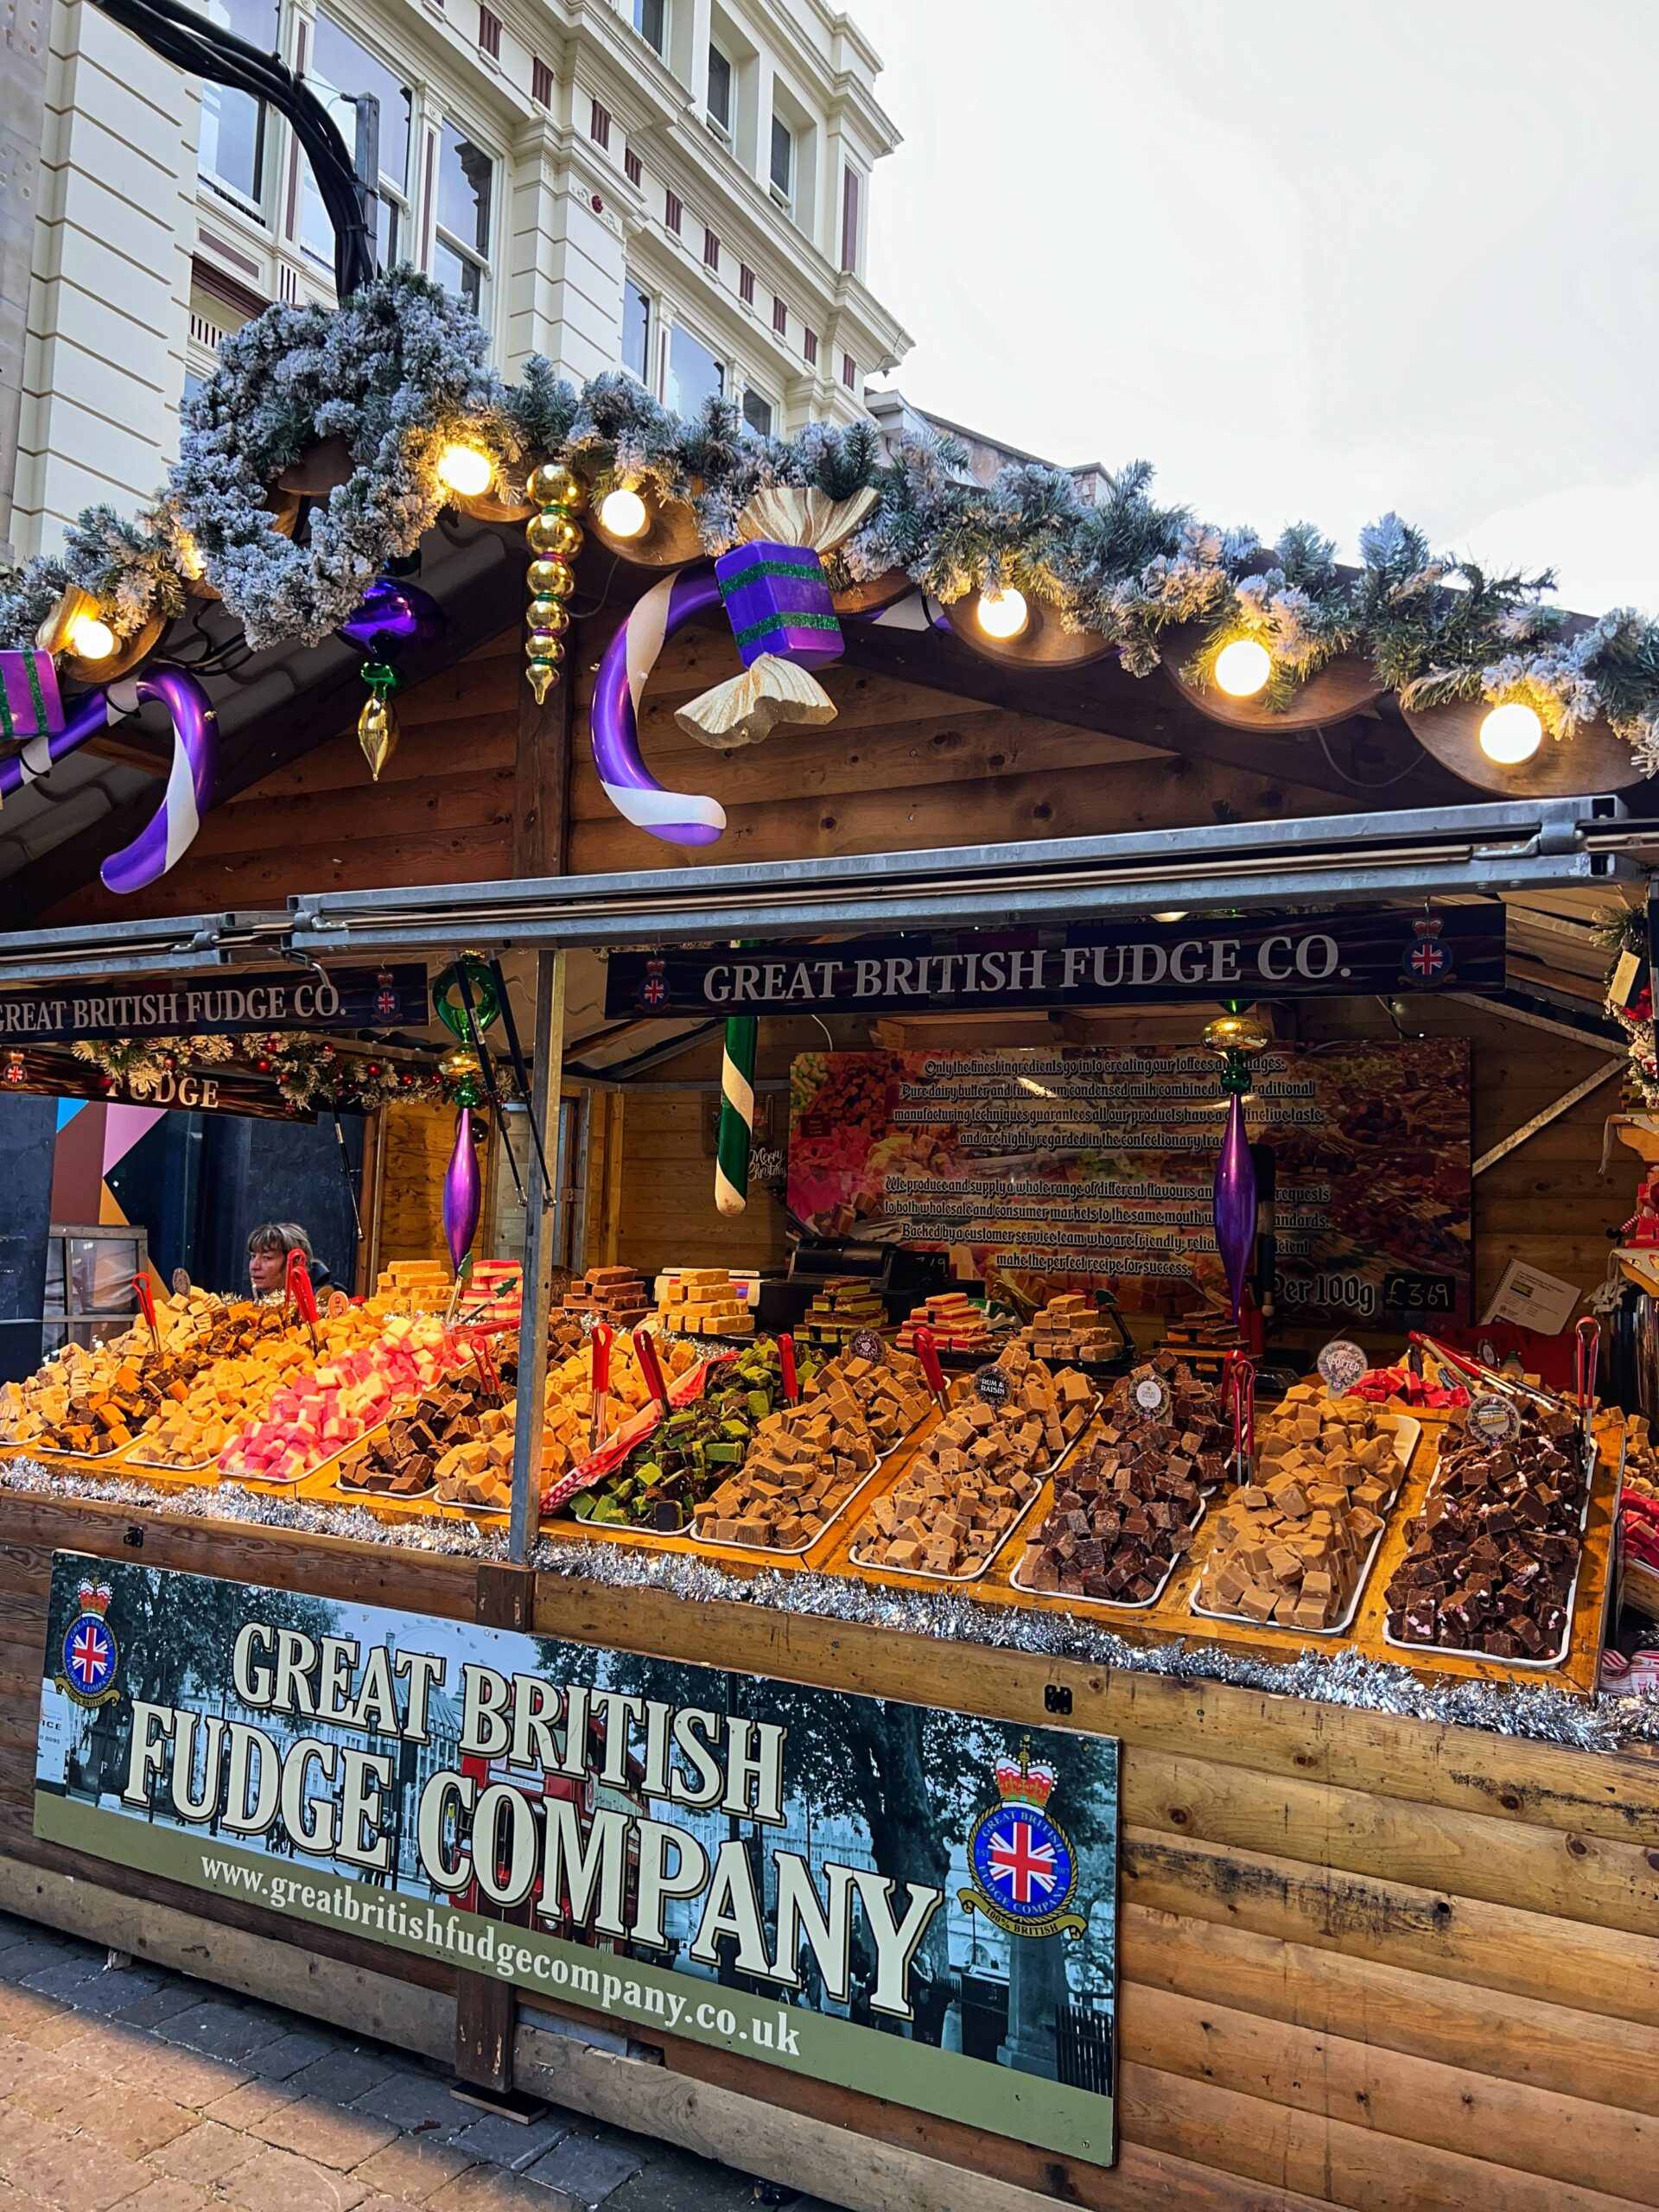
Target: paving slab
334,2135
413,2167
417,2101
219,2030
279,2181
344,2074
69,2169
131,2119
588,2169
206,2154
500,2142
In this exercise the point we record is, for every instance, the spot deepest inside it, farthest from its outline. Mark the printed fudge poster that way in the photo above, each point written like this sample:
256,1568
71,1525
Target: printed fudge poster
1069,1168
912,1903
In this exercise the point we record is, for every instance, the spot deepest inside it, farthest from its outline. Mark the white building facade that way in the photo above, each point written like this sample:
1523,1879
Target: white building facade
679,187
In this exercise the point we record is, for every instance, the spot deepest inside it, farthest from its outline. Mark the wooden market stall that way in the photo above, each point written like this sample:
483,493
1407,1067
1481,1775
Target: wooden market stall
1372,1925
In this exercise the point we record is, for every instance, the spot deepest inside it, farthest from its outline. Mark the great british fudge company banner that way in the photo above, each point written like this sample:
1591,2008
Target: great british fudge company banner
1065,1168
1255,957
916,1904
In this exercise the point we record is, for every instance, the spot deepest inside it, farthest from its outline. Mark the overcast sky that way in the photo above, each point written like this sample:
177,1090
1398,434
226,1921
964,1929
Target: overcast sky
1311,259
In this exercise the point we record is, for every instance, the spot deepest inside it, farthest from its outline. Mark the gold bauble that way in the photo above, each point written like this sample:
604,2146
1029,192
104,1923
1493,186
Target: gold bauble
544,645
550,578
553,533
1238,1033
376,732
553,485
544,613
541,673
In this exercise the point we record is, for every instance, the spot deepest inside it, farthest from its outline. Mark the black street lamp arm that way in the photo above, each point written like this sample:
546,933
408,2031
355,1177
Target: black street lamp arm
181,36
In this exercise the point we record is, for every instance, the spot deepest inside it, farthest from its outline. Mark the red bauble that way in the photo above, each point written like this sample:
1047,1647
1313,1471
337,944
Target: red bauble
264,1066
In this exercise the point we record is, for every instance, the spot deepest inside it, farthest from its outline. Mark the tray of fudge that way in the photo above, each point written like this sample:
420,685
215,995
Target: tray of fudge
1123,1514
978,1473
1494,1556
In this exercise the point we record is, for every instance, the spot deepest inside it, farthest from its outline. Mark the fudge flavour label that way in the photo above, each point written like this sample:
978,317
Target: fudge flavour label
1305,955
1076,1168
915,1904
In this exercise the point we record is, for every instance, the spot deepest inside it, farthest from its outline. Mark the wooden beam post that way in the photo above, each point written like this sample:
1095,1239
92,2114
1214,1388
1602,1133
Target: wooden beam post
540,776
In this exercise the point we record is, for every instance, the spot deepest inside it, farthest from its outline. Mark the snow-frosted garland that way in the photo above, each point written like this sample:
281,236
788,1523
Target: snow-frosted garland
1539,1715
400,369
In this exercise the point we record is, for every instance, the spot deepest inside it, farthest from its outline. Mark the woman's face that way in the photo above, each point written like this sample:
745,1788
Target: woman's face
266,1271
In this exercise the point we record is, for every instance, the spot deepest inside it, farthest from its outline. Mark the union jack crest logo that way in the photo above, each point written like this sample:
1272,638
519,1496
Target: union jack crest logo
1426,959
1023,1866
89,1651
653,991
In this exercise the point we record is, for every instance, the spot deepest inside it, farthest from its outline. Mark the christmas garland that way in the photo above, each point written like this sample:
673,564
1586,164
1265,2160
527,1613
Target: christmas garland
307,1072
1632,1006
400,369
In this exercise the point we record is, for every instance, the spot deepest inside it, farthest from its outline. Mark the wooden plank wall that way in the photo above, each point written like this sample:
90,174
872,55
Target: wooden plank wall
1364,1962
442,812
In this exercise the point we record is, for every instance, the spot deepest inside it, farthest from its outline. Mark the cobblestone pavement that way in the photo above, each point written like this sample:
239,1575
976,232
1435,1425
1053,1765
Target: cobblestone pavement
131,2087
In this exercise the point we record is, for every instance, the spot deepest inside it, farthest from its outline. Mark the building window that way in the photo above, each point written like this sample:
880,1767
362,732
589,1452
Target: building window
809,345
460,249
359,93
746,283
850,219
636,331
650,21
849,372
673,213
758,413
710,249
631,165
598,125
719,95
694,374
783,162
489,34
779,317
230,152
541,82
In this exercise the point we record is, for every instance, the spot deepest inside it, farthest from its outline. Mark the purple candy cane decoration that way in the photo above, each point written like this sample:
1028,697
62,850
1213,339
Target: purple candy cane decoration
168,834
679,818
1235,1204
462,1192
88,717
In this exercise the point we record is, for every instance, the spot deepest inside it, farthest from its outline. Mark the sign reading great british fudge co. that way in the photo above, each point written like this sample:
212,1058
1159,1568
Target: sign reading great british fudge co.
219,1004
916,1904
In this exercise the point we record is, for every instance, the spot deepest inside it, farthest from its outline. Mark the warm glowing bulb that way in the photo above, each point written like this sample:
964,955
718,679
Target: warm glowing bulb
91,638
1512,733
1003,614
466,470
190,560
1242,668
1171,914
623,513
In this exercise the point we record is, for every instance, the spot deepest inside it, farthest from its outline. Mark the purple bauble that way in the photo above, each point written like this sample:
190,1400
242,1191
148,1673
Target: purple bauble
1235,1205
463,1192
392,615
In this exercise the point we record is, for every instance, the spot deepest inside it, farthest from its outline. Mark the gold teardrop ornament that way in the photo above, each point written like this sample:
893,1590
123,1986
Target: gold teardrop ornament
376,732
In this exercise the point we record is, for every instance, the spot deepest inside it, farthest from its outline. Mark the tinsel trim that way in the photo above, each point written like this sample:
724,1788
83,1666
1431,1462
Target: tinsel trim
1538,1713
400,369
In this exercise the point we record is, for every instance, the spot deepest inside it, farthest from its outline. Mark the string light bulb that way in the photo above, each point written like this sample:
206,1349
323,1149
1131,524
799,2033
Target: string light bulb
1003,614
465,470
1512,733
1171,914
91,638
623,513
1242,668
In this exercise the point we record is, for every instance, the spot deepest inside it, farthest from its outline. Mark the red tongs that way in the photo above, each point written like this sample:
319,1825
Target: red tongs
644,1346
787,1366
932,1373
297,1285
1238,1392
144,1291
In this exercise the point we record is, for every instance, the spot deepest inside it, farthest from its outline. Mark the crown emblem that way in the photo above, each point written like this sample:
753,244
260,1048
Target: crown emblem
94,1596
1427,926
1020,1783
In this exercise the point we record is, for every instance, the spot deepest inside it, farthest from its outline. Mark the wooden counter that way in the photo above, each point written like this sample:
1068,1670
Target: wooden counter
1366,1962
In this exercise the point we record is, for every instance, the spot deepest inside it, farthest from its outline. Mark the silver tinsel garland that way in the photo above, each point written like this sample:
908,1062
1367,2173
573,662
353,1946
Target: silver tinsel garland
1540,1713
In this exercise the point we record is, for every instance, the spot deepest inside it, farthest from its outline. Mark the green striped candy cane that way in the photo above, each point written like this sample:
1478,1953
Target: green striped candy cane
736,1114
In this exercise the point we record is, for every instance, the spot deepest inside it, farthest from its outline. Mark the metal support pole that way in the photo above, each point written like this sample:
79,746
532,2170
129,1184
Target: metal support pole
539,1247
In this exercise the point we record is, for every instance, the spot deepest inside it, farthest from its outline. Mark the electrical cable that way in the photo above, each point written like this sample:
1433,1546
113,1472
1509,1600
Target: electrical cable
1353,782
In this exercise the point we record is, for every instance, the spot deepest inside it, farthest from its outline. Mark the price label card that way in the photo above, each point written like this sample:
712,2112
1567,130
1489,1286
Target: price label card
1494,1419
866,1343
180,1282
338,1303
1415,1293
1151,1395
992,1385
1341,1365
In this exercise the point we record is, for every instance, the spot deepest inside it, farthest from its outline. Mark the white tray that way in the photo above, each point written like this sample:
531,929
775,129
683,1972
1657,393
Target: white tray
1113,1605
975,1575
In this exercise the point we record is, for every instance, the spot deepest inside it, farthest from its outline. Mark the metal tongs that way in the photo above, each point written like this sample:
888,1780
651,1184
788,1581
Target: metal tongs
1238,1395
599,1344
1507,1385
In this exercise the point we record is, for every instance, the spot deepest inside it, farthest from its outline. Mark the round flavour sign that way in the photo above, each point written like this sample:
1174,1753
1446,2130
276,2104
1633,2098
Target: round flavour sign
1493,1419
180,1282
1341,1365
992,1385
866,1345
338,1304
1151,1397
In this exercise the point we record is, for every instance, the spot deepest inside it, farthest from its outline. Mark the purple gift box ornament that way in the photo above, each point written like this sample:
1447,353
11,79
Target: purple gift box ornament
777,598
29,703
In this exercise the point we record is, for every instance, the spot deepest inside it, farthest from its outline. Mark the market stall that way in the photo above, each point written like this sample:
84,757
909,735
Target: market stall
1349,1876
868,1576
